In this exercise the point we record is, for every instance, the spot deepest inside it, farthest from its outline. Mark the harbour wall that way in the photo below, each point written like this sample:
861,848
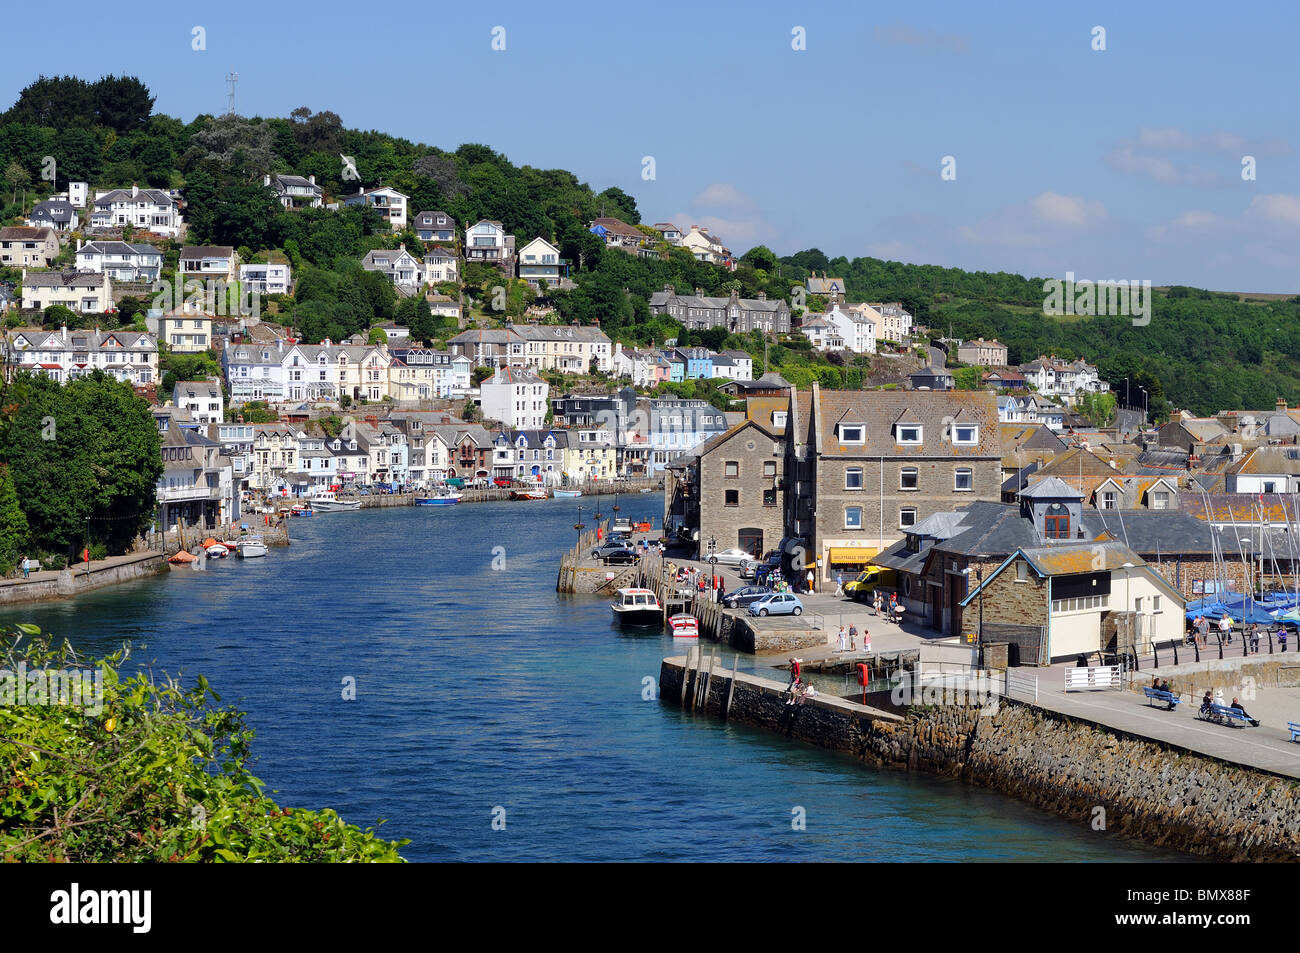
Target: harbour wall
66,583
1106,780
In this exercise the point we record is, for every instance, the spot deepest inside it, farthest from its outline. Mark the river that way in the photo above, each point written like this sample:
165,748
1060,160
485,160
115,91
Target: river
479,688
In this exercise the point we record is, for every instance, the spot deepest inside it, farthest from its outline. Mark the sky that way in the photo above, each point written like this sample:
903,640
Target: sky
797,125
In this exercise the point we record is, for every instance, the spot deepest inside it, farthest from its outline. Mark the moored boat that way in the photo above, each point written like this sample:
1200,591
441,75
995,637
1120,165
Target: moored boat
684,626
217,551
252,546
328,502
566,494
539,494
441,498
636,607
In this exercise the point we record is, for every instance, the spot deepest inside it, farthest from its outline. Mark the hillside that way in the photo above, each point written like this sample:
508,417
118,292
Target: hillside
1203,351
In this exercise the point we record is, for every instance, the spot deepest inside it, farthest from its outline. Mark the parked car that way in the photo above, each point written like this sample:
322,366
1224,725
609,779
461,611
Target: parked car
763,571
456,482
620,557
478,483
605,550
731,557
863,588
776,603
742,597
621,524
503,482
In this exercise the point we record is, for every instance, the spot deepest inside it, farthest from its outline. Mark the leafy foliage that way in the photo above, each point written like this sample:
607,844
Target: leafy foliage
159,774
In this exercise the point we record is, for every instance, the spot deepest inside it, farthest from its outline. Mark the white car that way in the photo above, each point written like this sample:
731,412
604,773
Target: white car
730,557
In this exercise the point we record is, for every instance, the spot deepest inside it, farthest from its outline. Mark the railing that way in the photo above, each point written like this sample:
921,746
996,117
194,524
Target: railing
1022,683
1099,676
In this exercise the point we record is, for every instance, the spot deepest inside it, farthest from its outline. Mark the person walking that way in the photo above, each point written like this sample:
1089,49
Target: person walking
866,639
27,567
893,607
722,589
841,638
876,603
839,584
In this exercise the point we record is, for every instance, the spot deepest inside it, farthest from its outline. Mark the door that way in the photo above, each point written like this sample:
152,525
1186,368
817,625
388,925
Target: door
750,539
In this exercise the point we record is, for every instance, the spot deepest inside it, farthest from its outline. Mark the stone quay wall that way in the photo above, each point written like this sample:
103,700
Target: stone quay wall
71,582
1102,778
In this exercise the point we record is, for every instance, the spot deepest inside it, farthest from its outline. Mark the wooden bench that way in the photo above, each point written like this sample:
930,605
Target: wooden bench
1223,715
1154,694
1295,730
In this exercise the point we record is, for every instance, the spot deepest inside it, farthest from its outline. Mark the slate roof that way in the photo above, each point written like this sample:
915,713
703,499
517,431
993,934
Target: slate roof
118,248
206,251
25,233
878,411
54,210
64,279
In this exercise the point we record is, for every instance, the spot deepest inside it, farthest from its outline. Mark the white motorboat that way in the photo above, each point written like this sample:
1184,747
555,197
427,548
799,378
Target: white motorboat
252,546
326,501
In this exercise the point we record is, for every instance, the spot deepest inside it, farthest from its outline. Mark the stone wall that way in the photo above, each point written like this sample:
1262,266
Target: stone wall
70,582
1144,789
1008,600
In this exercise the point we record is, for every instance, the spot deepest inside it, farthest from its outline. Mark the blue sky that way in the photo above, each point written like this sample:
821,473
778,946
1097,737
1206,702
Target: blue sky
1122,163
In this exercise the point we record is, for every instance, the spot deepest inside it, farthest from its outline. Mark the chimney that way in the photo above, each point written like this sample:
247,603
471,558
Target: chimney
762,296
1281,405
312,178
135,190
699,292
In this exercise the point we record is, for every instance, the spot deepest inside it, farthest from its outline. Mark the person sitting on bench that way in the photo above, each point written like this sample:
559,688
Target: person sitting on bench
1207,703
1236,706
1164,687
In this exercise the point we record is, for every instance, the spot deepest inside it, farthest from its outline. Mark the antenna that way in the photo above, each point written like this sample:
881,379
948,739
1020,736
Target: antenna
231,79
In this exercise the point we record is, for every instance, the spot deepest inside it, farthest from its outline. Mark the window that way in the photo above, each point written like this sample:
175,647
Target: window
907,478
907,516
1108,500
1160,501
1270,486
769,497
853,517
733,498
907,433
965,435
853,478
1056,522
769,468
1022,571
779,418
851,433
1155,603
1081,603
1137,605
962,480
731,470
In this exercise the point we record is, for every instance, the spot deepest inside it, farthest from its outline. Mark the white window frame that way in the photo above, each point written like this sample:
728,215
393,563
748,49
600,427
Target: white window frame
852,509
974,437
900,428
904,511
860,429
970,480
858,471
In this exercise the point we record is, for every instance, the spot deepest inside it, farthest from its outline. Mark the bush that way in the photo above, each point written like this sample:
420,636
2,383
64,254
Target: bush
147,773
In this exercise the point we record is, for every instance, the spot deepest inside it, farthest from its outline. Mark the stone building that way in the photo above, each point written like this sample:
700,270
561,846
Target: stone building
740,489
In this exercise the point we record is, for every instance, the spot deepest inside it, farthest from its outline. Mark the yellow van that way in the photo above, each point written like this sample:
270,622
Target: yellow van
868,581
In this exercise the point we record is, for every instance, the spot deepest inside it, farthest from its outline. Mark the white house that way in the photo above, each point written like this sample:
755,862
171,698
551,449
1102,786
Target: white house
386,200
486,242
706,247
293,191
823,335
398,265
516,397
152,210
734,365
55,213
266,279
857,328
64,355
539,261
254,371
1056,378
201,398
121,261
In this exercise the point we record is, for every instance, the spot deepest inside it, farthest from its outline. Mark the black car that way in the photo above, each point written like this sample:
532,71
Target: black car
743,596
621,557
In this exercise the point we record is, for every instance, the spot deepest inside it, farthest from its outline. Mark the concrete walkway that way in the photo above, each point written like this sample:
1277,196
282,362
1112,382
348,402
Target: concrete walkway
77,568
1267,747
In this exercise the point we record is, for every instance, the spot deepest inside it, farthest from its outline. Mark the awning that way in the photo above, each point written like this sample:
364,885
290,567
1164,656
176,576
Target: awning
856,555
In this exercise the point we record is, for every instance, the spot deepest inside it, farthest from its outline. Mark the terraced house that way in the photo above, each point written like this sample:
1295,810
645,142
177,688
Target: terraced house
65,355
736,314
872,464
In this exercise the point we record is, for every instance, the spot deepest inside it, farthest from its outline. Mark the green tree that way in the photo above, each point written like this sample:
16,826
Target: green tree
377,336
13,524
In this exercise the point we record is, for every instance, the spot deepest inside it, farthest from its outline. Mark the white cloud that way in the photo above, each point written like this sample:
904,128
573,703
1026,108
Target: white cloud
730,215
1067,209
1276,207
1045,219
1148,154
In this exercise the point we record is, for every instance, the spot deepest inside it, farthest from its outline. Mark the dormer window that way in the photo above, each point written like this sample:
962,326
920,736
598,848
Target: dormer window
852,433
907,433
965,435
1056,522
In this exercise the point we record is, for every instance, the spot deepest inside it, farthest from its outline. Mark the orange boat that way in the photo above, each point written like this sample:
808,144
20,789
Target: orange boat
182,558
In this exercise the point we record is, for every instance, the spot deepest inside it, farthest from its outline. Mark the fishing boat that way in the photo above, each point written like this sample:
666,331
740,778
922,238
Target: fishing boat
300,509
538,494
252,546
326,501
684,626
566,494
217,551
636,607
441,498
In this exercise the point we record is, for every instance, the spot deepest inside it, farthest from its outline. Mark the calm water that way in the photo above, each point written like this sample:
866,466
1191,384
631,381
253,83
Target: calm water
479,688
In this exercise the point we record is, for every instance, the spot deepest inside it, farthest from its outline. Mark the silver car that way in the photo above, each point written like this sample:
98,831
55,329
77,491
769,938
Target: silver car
730,557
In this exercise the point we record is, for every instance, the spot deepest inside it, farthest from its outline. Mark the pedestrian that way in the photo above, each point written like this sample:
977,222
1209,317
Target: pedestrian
866,639
839,584
810,580
1281,638
722,589
876,603
1254,639
27,566
841,638
853,637
893,607
1225,628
